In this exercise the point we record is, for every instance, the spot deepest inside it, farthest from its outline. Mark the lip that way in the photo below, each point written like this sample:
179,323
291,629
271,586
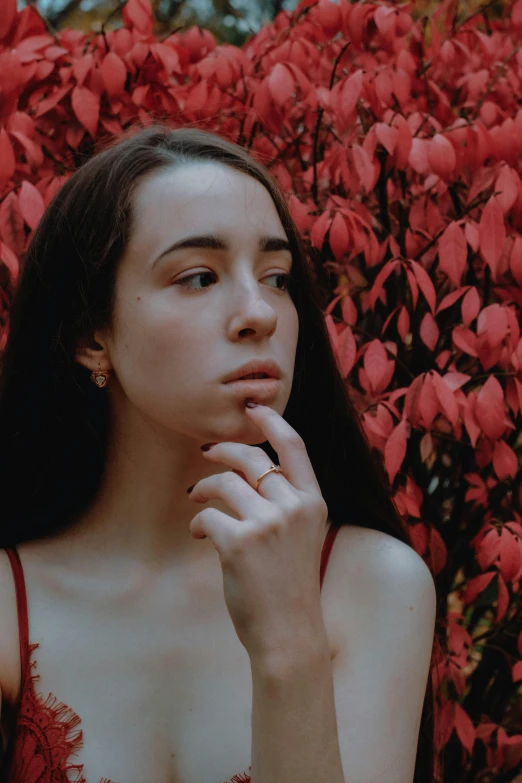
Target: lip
267,366
255,387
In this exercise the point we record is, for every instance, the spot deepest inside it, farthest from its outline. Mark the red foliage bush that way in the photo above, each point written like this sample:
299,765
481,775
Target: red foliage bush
398,144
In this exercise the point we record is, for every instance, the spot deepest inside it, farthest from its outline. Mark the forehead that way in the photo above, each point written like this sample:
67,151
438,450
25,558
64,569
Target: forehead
207,195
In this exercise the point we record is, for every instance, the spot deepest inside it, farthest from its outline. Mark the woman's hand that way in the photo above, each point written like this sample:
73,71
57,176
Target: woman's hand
271,556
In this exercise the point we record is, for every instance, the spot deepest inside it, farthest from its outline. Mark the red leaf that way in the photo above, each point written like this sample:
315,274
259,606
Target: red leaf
349,95
492,232
332,332
414,287
395,449
384,86
81,67
438,554
465,340
379,281
385,21
516,671
451,298
419,537
510,555
339,237
49,103
447,52
356,20
404,141
32,204
138,14
12,223
364,167
7,17
419,156
441,156
169,59
493,322
10,260
446,398
375,363
425,284
470,306
505,461
453,252
196,98
508,183
516,18
28,47
489,409
281,84
86,106
7,158
387,136
402,83
346,351
476,586
464,728
515,261
403,324
74,135
114,74
329,17
33,152
319,229
429,331
455,380
53,52
472,235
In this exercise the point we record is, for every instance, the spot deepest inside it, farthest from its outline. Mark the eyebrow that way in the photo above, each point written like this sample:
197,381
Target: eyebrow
217,242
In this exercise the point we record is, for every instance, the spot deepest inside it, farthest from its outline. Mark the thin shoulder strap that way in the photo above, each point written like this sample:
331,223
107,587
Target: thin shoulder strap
21,605
327,548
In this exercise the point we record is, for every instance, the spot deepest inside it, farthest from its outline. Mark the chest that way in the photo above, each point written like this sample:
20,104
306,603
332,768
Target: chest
163,690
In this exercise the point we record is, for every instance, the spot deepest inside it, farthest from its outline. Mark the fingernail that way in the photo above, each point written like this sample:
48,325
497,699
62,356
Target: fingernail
251,404
207,446
189,490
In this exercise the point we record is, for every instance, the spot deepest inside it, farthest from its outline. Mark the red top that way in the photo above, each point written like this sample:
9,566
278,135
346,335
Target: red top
44,737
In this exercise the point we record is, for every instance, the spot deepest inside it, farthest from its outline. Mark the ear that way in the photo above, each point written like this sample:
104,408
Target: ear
93,354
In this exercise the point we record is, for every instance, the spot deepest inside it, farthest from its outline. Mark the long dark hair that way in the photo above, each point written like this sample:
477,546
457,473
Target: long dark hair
54,421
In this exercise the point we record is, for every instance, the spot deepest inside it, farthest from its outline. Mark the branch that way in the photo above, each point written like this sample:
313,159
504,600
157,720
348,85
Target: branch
501,70
57,18
318,122
480,199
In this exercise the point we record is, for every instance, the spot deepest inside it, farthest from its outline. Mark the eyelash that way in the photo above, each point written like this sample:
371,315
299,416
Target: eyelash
184,280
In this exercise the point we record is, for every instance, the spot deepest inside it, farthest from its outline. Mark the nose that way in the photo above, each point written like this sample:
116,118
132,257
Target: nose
251,311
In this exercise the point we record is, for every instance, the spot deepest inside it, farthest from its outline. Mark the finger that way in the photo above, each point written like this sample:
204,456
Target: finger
289,446
236,493
251,462
214,524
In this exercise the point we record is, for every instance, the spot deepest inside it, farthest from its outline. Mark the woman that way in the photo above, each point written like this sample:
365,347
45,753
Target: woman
180,642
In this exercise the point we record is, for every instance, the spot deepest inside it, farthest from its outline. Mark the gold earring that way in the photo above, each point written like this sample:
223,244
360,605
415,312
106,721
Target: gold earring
100,377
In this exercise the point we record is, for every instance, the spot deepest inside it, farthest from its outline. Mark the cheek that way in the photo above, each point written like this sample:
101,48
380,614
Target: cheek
167,346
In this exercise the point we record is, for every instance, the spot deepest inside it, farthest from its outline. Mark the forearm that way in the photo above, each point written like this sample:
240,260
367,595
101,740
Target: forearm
294,725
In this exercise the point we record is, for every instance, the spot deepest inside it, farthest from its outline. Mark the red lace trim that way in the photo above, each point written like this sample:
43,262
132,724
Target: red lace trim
45,738
245,778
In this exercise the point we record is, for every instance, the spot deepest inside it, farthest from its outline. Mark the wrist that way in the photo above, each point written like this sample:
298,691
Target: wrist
296,658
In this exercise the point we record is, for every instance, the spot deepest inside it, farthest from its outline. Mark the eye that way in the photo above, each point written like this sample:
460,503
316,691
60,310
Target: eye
184,282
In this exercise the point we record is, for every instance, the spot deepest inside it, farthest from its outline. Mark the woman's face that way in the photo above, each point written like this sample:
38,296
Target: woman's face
186,318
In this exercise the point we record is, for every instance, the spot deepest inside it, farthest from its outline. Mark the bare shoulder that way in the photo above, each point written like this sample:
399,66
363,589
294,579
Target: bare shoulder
363,553
9,637
373,577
